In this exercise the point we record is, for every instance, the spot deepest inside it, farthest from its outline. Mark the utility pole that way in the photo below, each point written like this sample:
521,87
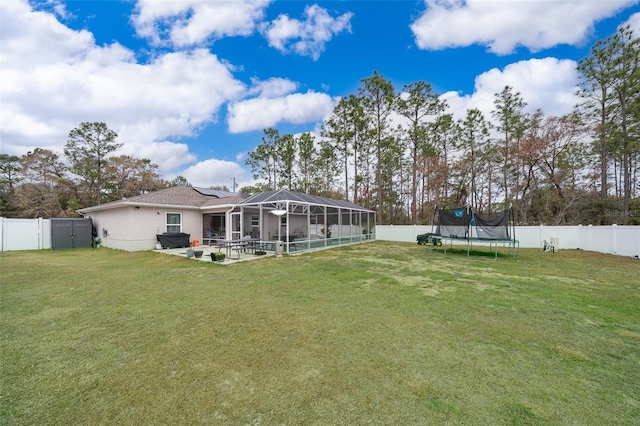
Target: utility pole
234,184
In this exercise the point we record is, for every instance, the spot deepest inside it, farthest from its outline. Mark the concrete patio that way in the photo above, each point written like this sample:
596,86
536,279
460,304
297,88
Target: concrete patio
230,258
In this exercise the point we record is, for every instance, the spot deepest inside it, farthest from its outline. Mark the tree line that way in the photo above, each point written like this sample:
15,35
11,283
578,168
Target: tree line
41,183
403,154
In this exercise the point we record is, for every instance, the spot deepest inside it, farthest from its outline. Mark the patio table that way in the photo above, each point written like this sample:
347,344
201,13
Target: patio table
240,244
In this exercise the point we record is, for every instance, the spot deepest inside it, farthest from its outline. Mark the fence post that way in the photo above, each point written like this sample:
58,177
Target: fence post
580,237
614,227
40,234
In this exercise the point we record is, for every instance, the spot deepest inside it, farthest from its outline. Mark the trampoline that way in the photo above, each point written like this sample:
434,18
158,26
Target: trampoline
469,226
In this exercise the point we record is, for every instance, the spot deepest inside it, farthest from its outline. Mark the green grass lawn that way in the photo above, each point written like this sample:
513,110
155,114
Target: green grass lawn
378,333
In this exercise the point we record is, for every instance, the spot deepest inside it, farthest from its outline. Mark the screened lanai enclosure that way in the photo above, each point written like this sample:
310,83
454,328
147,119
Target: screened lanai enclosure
302,222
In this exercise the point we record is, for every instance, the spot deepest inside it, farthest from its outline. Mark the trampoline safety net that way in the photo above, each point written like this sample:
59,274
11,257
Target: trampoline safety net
465,223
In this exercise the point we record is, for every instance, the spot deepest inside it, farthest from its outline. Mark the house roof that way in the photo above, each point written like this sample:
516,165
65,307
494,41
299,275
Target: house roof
176,196
284,195
187,197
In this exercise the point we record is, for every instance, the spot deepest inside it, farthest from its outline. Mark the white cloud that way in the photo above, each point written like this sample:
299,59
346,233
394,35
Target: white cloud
308,37
549,84
54,78
504,25
169,155
273,87
261,113
37,38
214,172
192,22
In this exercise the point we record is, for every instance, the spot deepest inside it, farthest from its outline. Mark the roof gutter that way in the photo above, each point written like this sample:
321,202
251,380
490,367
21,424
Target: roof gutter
134,204
151,205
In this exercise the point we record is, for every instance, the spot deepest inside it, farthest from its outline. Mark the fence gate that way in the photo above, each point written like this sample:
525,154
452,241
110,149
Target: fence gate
71,233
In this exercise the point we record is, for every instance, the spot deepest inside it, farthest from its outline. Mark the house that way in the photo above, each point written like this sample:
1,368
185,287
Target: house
301,221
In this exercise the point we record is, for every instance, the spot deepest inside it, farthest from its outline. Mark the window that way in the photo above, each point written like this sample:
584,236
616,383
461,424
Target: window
174,222
255,221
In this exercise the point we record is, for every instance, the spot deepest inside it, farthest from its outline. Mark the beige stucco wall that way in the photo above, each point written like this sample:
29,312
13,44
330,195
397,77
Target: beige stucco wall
131,229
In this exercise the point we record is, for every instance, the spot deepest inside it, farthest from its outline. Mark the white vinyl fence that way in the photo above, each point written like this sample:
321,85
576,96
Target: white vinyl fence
25,234
614,239
35,234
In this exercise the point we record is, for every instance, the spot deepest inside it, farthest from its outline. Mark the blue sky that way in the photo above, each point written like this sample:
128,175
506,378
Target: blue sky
190,84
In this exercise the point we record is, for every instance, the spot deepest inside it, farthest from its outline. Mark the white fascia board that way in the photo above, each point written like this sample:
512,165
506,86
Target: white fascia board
121,204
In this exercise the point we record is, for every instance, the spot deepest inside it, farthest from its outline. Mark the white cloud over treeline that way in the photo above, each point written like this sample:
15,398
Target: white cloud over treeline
503,26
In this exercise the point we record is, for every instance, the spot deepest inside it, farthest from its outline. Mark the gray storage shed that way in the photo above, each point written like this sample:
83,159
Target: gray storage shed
71,233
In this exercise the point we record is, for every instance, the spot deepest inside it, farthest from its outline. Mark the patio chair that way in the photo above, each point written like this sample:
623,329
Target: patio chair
210,237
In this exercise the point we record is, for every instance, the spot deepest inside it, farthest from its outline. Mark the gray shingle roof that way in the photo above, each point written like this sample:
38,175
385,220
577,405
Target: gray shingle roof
185,196
176,195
